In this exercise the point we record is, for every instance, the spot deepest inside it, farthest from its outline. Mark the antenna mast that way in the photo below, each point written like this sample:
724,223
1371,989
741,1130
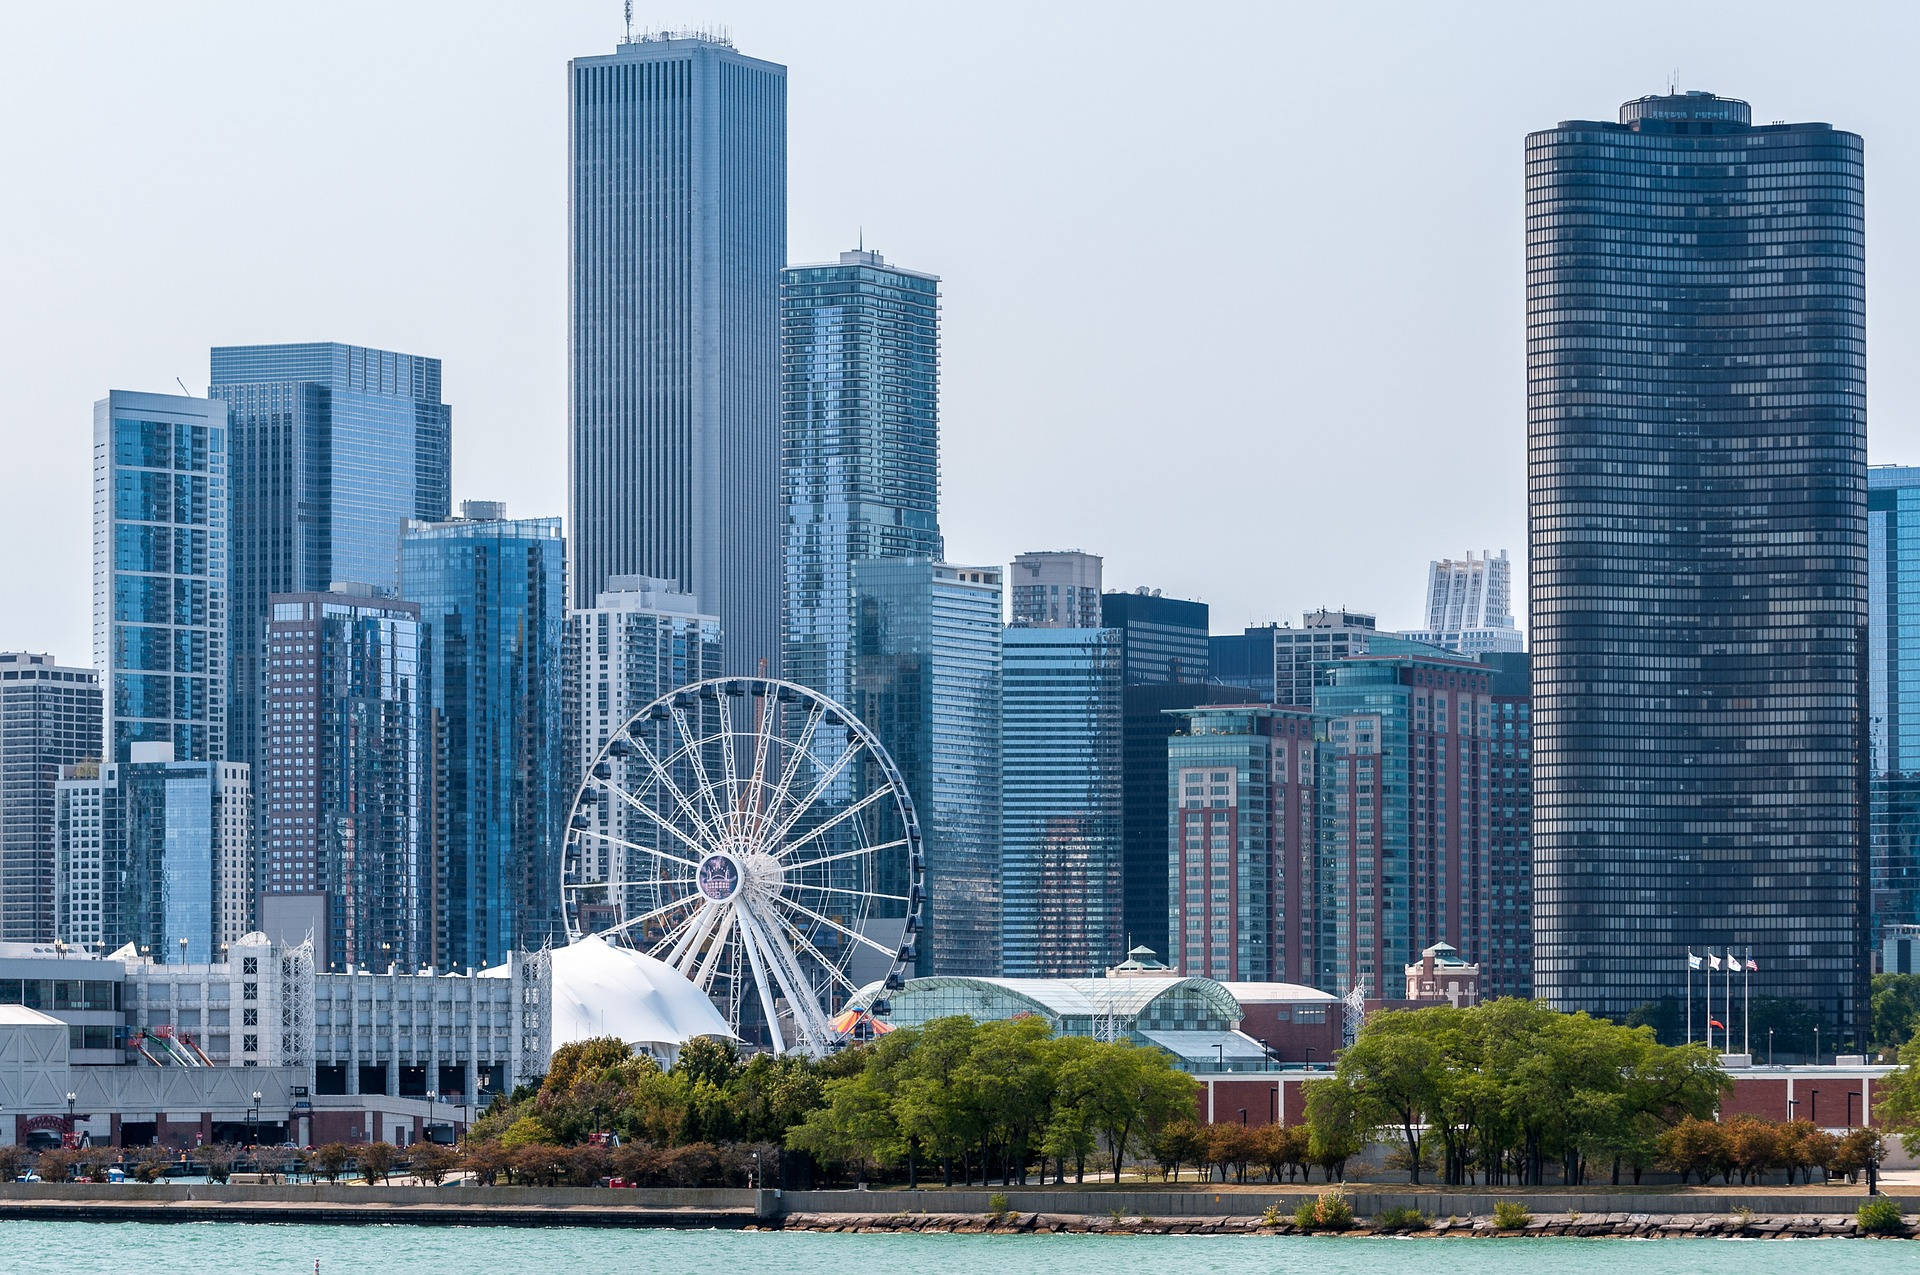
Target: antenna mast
628,7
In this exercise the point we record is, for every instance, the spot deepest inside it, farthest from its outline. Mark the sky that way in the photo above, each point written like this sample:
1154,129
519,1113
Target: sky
1233,293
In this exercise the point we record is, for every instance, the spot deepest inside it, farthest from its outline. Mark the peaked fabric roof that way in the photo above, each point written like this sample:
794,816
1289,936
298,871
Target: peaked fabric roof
603,990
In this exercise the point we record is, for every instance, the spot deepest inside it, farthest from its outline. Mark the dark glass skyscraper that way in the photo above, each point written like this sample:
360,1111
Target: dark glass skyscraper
1698,531
678,227
860,411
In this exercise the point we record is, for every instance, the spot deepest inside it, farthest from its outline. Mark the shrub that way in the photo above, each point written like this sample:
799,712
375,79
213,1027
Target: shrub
1307,1216
1742,1216
1332,1212
1511,1215
150,1164
997,1205
216,1160
13,1163
1880,1216
54,1165
1400,1219
1270,1216
431,1162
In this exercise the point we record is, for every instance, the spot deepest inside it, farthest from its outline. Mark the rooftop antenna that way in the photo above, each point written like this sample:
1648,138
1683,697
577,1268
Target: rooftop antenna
1673,81
628,7
863,239
183,387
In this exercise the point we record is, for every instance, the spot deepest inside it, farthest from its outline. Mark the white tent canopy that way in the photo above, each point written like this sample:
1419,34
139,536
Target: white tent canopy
603,990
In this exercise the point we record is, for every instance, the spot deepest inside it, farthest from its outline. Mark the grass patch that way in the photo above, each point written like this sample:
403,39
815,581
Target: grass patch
1511,1215
1880,1216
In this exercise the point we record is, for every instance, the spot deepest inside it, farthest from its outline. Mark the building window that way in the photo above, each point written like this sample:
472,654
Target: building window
250,1044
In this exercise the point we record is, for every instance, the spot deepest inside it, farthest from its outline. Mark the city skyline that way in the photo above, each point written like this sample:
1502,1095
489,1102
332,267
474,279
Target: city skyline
498,92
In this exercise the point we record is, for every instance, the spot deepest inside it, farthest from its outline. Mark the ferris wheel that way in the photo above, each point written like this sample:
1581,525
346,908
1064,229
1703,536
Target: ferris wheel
756,836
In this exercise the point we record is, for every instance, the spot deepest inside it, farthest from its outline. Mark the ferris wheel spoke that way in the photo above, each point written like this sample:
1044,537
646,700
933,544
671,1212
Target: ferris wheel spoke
730,769
659,819
776,953
763,983
831,967
644,917
686,948
762,737
721,824
806,803
723,940
644,849
832,924
852,809
665,776
845,854
802,749
858,894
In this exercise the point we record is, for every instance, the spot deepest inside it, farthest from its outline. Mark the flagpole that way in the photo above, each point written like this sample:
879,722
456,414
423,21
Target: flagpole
1729,1018
1689,996
1746,1002
1709,1000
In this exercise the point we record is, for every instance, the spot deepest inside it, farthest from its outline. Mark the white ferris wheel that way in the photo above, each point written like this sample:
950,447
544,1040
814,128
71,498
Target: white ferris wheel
756,836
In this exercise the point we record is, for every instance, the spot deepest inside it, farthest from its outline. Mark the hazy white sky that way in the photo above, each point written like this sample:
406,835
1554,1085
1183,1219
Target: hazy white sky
1234,293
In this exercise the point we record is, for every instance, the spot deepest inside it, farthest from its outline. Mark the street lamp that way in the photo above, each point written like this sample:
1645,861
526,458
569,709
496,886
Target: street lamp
72,1098
1851,1095
1219,1057
1769,1046
1816,1044
253,1118
1243,1117
1791,1104
183,949
1309,1057
1813,1107
756,1170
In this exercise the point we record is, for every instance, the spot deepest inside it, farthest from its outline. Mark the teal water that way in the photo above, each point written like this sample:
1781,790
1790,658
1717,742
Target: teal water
71,1248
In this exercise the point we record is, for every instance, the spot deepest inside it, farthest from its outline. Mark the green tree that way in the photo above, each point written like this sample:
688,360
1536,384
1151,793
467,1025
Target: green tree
1894,1001
1394,1070
1337,1129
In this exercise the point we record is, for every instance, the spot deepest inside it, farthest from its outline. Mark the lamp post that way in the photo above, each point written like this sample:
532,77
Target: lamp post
1816,1044
1243,1117
1219,1057
183,949
756,1170
1813,1106
1769,1046
1851,1095
1791,1104
1309,1057
253,1120
72,1098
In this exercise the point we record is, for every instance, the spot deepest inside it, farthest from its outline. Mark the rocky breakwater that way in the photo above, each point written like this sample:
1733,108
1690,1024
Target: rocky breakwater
1595,1225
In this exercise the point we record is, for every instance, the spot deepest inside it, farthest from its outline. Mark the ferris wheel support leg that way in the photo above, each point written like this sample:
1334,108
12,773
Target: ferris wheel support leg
762,984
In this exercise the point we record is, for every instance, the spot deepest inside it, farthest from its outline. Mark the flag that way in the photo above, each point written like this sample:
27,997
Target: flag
1753,966
1693,962
1733,962
1714,1022
1713,962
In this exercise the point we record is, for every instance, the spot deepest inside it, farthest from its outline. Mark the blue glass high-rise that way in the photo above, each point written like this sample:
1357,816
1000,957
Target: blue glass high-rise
1893,694
491,592
335,448
860,349
1060,799
678,232
160,531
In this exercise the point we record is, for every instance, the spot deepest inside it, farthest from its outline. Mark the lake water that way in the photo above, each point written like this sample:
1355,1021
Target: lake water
67,1248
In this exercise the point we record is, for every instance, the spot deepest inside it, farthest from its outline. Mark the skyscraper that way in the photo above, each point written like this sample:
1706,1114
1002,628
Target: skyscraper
1468,605
860,352
641,639
491,596
1061,812
1402,836
1893,694
1506,955
1239,859
156,853
928,685
342,791
160,534
1283,664
1697,498
333,450
1163,661
1056,588
678,233
50,718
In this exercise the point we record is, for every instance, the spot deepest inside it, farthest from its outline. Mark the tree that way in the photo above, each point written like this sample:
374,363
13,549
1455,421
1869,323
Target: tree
216,1160
1336,1128
432,1162
1393,1070
1178,1142
1896,1099
332,1159
1755,1147
13,1162
1692,1146
150,1164
1894,1001
376,1160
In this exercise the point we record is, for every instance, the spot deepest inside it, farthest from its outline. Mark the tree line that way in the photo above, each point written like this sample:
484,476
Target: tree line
1496,1092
